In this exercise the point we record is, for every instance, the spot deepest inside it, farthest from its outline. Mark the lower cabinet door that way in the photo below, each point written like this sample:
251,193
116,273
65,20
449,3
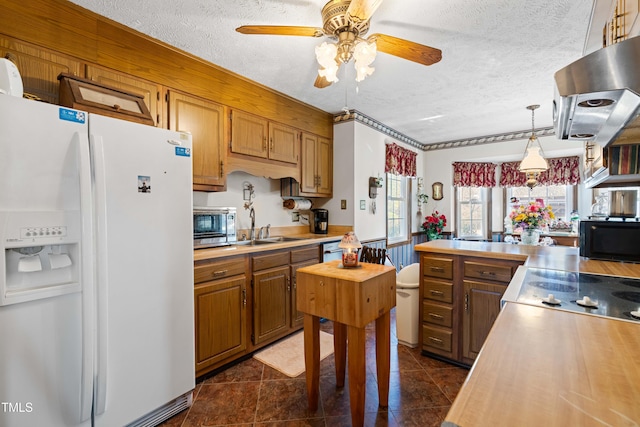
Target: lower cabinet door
271,304
481,307
220,321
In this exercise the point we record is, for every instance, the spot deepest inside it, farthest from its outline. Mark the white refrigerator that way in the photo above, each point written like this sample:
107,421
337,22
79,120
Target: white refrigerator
96,269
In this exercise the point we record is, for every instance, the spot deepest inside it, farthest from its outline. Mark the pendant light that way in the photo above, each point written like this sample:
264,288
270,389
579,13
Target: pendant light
533,163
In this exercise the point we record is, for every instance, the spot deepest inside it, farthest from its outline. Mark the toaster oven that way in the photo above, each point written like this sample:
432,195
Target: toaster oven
213,227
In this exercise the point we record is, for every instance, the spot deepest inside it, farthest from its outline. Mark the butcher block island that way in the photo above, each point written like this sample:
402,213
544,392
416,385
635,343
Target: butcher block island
537,364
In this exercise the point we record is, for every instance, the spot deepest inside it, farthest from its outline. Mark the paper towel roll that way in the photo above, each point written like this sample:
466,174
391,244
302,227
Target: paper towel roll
297,204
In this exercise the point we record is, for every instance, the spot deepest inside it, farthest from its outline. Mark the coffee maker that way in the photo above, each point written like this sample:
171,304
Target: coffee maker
319,223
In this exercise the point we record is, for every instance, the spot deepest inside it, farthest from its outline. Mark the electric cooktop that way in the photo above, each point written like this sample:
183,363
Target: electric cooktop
596,294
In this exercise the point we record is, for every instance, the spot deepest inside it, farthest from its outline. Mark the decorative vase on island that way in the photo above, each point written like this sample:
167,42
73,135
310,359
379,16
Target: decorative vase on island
433,235
530,236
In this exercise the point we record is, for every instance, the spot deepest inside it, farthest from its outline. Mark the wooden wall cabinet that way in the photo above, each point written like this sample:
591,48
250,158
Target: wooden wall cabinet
205,120
258,137
39,68
151,92
316,166
460,301
220,306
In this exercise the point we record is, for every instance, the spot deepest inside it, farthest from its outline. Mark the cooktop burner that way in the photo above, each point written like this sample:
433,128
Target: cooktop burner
629,296
608,296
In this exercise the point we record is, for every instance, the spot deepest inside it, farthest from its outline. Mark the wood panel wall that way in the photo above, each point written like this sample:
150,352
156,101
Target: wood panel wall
67,28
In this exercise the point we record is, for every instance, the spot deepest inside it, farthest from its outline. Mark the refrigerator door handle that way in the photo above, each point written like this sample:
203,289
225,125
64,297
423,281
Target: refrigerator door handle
87,279
102,280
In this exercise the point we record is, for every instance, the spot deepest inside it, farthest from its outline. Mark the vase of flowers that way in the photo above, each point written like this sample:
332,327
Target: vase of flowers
529,220
434,225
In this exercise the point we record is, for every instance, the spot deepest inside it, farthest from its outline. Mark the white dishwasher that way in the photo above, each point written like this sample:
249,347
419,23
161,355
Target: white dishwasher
331,251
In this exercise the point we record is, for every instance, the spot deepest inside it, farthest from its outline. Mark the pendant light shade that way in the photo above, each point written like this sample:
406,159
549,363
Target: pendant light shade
533,162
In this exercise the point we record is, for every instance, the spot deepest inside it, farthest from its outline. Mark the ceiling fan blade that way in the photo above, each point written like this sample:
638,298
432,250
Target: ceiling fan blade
321,82
406,49
281,30
361,10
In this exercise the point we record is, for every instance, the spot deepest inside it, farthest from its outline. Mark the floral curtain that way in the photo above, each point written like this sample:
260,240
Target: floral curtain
469,174
562,171
400,161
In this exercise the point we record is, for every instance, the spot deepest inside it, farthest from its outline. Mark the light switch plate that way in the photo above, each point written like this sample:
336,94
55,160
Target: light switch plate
363,205
295,216
343,204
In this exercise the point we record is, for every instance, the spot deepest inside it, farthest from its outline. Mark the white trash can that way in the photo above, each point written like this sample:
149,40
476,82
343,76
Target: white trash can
407,299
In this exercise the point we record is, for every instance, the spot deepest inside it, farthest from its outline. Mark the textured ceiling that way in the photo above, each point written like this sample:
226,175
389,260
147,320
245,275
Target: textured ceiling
498,56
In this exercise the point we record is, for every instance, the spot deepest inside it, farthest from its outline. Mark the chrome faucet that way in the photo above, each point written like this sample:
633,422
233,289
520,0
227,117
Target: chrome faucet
266,235
252,215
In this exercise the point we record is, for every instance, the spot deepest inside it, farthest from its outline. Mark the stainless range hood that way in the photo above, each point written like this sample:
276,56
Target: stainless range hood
598,96
597,99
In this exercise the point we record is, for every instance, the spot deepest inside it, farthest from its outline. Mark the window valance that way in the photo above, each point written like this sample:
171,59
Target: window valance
562,171
471,174
400,161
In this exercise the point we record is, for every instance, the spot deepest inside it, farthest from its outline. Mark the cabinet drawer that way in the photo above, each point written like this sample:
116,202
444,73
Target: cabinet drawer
304,254
436,338
261,262
438,267
220,269
486,271
437,291
437,314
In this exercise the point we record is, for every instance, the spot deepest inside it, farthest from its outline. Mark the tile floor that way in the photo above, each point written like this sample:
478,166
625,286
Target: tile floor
250,393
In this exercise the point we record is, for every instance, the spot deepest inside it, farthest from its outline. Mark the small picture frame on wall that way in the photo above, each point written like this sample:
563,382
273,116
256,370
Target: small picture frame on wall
436,191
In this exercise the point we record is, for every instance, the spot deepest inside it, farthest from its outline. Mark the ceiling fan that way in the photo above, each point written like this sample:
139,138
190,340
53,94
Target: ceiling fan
346,22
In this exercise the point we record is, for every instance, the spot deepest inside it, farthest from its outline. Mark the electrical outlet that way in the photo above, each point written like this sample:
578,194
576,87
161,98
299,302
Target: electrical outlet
343,204
295,216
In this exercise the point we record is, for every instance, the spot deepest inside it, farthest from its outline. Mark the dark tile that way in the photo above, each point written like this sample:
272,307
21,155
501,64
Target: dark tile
221,404
429,363
312,422
247,370
421,417
414,389
371,419
282,400
449,380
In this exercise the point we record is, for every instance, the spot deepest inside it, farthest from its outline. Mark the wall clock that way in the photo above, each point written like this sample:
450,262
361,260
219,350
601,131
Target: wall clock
436,191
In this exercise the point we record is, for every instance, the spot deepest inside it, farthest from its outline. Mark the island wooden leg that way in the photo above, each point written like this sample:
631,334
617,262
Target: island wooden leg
340,349
383,354
312,359
357,373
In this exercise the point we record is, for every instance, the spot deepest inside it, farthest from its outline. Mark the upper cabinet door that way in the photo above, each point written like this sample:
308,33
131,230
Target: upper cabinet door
205,121
284,143
39,68
151,92
249,134
325,166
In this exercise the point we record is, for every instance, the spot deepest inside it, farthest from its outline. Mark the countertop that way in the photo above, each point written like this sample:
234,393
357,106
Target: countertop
541,366
555,257
545,367
306,239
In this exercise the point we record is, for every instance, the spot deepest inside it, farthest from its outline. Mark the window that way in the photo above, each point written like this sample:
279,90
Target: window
398,222
560,197
472,212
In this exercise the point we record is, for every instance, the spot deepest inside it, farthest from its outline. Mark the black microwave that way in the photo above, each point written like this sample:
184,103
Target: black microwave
614,240
213,227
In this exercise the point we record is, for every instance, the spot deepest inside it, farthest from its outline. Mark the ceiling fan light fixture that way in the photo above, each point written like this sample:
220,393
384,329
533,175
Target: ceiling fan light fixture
364,54
326,56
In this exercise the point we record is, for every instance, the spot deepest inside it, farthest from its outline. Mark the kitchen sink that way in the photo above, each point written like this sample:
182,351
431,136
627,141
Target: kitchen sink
268,241
282,239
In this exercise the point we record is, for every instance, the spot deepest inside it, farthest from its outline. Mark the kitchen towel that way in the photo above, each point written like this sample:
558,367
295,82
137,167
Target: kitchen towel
287,356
